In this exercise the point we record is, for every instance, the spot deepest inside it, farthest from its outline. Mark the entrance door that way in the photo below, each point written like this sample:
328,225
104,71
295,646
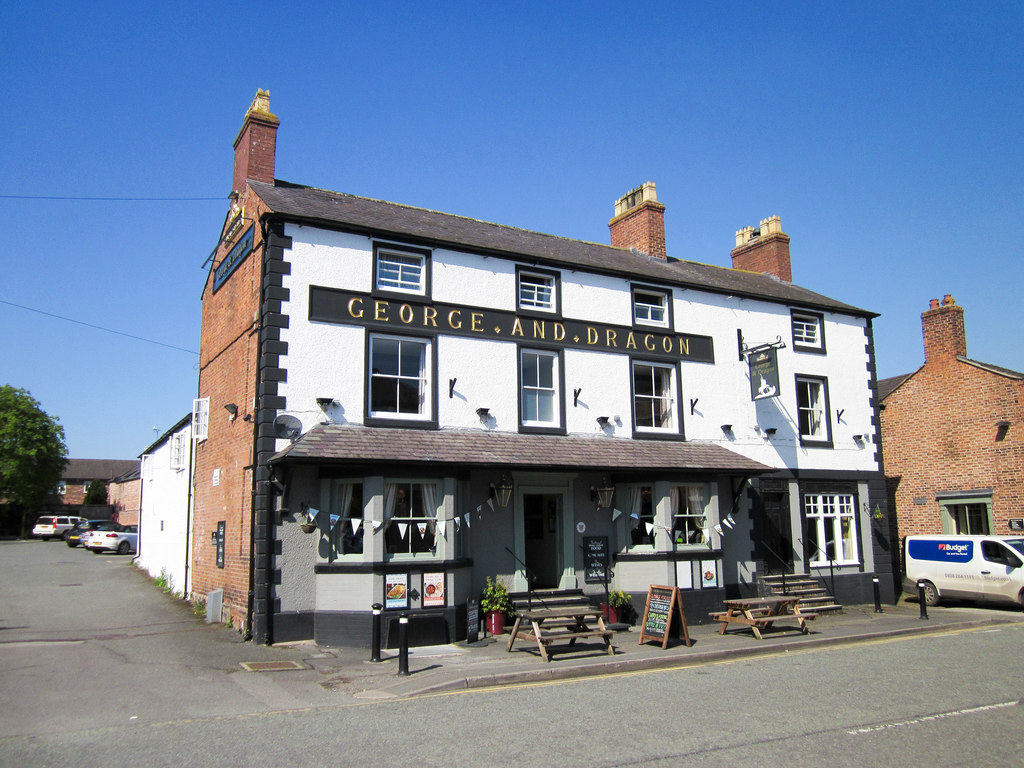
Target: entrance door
542,523
776,534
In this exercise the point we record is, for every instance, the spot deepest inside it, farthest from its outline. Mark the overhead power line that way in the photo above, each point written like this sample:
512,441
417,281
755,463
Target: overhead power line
115,199
98,327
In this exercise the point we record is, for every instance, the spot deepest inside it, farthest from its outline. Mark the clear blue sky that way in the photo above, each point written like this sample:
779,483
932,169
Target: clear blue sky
886,135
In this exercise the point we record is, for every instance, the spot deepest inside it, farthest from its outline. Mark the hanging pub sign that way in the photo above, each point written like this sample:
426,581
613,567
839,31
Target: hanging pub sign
764,373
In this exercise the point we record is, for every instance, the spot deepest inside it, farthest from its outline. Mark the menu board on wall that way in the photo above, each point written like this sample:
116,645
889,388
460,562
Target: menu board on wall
661,608
433,589
396,590
595,559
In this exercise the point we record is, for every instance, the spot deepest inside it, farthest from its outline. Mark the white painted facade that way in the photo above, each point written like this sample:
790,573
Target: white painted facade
165,513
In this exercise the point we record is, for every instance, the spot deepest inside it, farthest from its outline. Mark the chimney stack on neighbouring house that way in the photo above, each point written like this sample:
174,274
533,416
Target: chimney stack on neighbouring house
944,335
256,143
765,250
639,222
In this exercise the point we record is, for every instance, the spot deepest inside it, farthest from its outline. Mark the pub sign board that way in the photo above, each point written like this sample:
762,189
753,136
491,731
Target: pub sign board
1016,523
330,305
595,555
235,257
764,373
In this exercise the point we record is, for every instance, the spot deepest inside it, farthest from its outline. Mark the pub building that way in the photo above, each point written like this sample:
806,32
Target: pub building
438,399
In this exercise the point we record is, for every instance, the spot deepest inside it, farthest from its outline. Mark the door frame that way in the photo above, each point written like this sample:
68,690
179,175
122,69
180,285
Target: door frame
556,485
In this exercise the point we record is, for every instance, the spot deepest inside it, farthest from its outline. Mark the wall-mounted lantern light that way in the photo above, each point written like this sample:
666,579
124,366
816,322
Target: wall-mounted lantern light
483,413
233,410
503,490
604,494
603,420
727,428
771,431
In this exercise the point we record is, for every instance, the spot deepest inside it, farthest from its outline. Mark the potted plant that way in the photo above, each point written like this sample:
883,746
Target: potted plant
619,603
307,523
496,605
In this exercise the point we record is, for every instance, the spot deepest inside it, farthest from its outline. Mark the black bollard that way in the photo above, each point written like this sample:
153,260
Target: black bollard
878,597
375,650
403,645
921,600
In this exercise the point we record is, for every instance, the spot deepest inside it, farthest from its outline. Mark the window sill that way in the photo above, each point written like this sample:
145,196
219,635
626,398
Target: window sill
378,421
810,443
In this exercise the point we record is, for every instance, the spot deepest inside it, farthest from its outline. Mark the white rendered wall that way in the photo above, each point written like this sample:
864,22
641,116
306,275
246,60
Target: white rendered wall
163,518
327,360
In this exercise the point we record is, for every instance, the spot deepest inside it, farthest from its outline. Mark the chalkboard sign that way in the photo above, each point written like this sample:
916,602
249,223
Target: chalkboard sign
595,559
662,604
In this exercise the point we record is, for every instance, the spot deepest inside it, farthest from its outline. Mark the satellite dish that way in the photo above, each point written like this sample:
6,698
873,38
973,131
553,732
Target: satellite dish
287,427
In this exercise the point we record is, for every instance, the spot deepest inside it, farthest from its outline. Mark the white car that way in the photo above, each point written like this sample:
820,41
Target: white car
112,537
54,527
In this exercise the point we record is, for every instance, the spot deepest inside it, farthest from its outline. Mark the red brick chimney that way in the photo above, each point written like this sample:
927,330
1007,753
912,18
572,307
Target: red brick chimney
944,335
256,143
639,222
765,250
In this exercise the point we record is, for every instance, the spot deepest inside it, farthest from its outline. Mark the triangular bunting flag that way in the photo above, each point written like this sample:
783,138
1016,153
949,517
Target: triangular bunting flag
356,522
402,528
650,528
729,519
635,515
718,530
728,522
615,514
375,524
490,503
334,520
468,524
478,508
312,514
422,528
458,523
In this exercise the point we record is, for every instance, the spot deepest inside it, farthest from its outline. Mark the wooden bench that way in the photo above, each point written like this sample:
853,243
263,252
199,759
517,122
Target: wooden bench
761,613
555,625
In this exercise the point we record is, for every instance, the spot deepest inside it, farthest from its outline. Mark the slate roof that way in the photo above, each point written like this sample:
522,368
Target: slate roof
887,386
360,214
343,444
97,469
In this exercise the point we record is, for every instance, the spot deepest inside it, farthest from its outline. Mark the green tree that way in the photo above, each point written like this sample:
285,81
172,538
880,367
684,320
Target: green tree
96,493
32,453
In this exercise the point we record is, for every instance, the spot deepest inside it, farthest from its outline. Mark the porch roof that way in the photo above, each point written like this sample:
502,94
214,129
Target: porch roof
339,444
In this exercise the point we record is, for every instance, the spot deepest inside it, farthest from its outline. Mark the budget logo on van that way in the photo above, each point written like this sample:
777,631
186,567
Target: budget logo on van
941,551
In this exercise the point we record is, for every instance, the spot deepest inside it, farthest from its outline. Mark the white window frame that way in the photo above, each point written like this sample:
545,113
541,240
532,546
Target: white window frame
343,543
147,466
422,379
828,511
200,418
637,538
401,271
429,517
690,525
808,333
667,397
536,291
177,451
538,389
815,409
644,311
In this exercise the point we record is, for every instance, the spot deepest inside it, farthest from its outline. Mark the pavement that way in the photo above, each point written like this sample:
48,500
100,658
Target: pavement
486,664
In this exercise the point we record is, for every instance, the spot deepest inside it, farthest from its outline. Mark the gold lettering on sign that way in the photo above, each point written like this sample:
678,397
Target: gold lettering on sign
666,343
517,328
453,321
559,332
405,314
611,338
592,335
380,310
430,317
684,346
631,341
352,310
649,341
539,329
476,321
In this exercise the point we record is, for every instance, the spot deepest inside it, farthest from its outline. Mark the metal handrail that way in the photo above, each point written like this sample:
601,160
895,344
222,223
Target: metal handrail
785,563
831,569
530,579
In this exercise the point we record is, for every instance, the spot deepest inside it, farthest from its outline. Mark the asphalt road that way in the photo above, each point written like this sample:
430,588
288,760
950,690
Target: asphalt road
950,699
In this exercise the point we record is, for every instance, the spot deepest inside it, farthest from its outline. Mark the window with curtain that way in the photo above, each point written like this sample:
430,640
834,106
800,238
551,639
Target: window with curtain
348,532
410,511
641,516
831,528
689,519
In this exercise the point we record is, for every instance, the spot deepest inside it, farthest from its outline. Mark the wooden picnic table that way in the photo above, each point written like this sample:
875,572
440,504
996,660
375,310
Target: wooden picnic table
762,612
551,625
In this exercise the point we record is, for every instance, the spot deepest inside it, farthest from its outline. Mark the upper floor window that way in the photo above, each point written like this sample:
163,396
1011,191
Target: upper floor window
650,307
537,291
654,397
178,455
401,271
399,377
808,331
812,409
539,388
200,418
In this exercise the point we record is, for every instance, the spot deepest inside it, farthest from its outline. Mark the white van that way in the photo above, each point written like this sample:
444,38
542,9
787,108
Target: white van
967,567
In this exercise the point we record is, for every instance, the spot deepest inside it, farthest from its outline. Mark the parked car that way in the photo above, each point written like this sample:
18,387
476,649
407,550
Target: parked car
54,526
113,538
77,535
